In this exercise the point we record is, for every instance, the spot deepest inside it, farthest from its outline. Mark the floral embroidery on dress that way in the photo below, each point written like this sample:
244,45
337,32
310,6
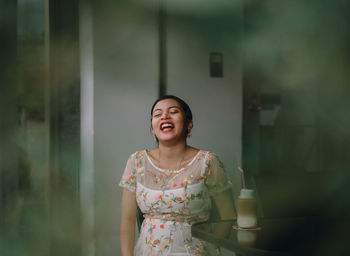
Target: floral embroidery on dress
172,201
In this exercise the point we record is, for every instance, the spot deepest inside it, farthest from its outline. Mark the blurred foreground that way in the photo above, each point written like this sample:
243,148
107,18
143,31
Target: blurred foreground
297,50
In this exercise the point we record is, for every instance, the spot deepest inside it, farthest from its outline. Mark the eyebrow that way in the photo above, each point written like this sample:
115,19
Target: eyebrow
158,109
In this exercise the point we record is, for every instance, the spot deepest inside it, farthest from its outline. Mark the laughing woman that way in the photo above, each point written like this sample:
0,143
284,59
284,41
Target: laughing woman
173,186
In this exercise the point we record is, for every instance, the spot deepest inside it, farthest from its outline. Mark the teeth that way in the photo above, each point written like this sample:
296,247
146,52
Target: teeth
167,126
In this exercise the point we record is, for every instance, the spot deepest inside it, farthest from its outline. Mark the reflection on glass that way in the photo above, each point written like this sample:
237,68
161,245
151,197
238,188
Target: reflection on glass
247,237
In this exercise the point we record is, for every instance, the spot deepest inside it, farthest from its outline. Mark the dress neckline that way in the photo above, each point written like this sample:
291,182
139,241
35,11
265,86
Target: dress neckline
168,170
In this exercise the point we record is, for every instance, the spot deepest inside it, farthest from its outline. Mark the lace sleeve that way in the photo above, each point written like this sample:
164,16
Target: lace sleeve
128,180
215,176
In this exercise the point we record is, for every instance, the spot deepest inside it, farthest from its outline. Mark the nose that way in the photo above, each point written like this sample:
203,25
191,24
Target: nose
165,115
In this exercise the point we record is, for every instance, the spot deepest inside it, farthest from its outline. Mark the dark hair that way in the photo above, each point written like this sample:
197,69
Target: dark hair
183,104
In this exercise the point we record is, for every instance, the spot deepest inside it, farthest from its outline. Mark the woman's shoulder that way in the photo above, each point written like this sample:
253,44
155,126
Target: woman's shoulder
136,160
206,154
139,154
210,158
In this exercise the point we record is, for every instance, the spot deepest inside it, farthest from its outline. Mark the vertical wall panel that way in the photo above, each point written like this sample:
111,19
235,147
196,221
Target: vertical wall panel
87,184
125,86
192,34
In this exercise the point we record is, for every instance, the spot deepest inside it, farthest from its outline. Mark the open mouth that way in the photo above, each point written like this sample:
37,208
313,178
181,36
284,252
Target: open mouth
166,126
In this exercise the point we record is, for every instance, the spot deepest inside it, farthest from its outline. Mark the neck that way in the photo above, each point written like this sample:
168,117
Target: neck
172,151
171,156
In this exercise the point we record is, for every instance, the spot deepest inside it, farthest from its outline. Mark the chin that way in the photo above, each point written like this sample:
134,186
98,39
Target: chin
170,138
165,139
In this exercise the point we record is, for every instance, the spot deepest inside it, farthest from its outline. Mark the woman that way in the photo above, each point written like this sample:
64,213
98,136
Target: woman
172,186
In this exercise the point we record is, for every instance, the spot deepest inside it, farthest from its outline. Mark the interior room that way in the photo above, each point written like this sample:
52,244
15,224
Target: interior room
267,82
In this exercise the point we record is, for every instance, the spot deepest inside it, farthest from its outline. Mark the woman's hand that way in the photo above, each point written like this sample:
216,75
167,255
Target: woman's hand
127,224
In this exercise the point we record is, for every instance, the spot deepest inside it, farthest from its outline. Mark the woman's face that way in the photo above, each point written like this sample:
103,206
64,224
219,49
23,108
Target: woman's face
168,121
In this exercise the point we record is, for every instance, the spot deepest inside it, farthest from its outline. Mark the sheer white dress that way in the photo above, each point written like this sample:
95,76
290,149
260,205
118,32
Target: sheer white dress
173,200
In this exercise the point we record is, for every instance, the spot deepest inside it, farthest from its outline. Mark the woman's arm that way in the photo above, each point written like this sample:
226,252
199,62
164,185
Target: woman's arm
127,224
224,204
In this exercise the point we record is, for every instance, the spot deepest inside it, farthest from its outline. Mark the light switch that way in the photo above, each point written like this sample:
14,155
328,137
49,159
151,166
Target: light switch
216,64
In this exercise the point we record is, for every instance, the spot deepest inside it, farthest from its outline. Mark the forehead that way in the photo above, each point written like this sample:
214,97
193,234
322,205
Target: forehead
167,103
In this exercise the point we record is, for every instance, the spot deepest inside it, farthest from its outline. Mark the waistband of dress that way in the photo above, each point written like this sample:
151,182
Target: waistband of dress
165,218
